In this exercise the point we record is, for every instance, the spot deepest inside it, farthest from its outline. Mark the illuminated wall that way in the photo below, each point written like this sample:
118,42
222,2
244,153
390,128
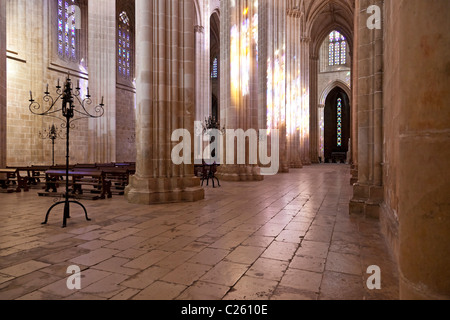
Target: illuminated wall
243,47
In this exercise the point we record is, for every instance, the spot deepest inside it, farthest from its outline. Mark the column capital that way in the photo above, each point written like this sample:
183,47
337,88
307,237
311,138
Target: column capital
294,13
305,39
199,29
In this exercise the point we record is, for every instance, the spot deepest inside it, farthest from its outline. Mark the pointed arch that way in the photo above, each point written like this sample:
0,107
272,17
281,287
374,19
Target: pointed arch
335,84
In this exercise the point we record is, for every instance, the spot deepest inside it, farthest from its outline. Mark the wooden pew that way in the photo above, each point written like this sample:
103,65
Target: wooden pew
79,178
12,177
119,177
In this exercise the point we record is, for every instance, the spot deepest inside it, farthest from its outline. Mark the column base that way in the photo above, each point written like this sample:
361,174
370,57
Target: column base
148,191
367,200
239,173
284,169
296,165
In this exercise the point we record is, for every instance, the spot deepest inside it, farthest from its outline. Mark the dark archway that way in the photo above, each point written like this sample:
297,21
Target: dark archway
337,141
215,63
215,107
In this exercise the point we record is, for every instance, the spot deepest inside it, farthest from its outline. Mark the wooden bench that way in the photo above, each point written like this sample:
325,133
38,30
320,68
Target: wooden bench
119,178
339,157
11,177
93,178
33,174
117,173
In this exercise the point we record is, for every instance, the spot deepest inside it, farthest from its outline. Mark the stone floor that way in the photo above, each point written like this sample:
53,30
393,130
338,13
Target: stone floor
287,238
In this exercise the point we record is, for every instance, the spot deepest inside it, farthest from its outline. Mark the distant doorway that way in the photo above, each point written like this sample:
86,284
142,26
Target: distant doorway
337,126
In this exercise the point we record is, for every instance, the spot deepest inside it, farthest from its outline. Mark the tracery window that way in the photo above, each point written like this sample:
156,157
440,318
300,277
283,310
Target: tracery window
215,69
337,49
125,48
339,122
69,16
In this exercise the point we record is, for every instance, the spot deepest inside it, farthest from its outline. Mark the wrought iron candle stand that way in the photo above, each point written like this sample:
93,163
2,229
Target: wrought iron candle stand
69,113
52,134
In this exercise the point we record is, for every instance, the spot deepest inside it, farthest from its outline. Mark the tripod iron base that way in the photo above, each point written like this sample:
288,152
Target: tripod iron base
66,211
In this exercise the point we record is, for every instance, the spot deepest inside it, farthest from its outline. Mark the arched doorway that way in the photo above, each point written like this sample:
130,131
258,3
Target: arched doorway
337,133
215,64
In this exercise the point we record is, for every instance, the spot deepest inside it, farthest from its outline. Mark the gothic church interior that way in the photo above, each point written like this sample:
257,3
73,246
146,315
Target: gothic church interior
349,96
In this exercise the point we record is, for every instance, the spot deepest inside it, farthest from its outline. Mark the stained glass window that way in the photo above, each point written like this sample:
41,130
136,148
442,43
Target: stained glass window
337,49
68,12
124,46
339,122
215,69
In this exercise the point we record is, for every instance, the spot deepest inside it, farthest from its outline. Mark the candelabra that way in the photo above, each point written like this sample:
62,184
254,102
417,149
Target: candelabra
52,133
212,124
70,113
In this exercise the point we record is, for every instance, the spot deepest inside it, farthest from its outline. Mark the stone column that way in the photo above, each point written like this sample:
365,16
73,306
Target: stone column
102,78
279,89
305,106
239,82
294,94
423,150
165,102
368,191
314,109
354,107
203,73
3,100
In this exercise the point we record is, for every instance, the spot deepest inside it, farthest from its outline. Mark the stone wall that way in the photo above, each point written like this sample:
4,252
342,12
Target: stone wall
3,100
32,63
126,124
417,134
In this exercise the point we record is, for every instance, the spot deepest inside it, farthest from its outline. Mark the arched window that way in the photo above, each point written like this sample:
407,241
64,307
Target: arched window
337,49
125,47
215,69
69,17
339,122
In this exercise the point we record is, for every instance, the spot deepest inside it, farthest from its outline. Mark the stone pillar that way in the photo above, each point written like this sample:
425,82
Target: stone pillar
278,87
239,81
203,73
102,78
314,109
354,106
423,147
294,94
165,102
3,100
305,106
368,191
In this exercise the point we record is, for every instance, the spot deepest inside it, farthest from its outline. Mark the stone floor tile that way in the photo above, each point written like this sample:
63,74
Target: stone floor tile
280,251
343,263
145,278
225,273
186,274
313,264
23,268
160,291
94,257
268,269
239,232
204,291
245,254
249,288
340,286
107,287
292,294
210,256
303,280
